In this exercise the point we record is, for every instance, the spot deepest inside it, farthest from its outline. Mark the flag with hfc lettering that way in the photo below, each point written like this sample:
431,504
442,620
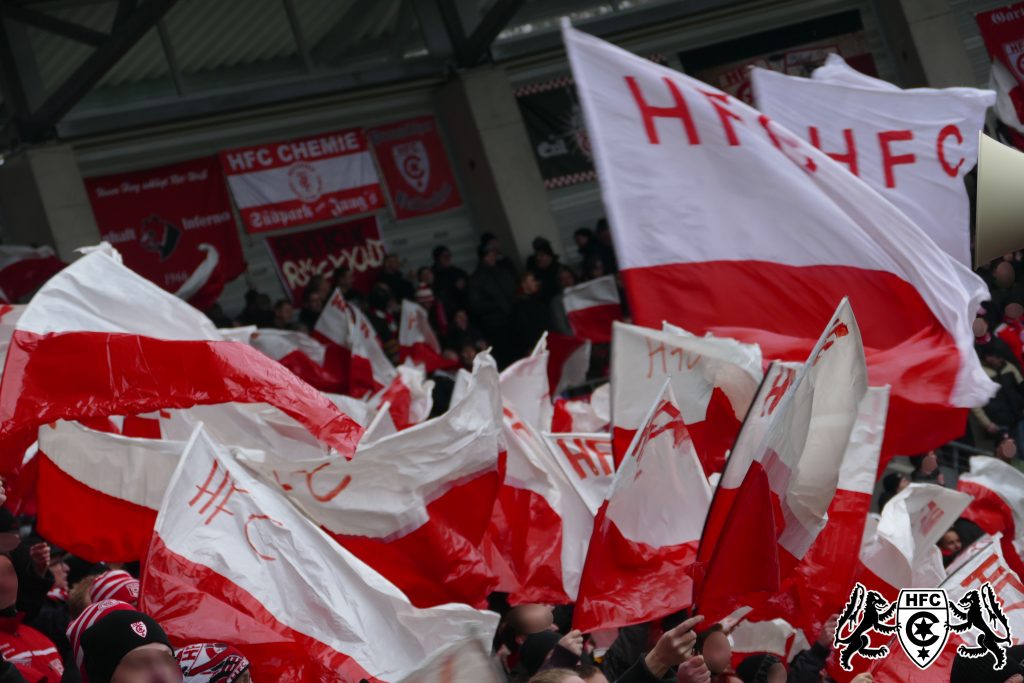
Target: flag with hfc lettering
233,561
726,222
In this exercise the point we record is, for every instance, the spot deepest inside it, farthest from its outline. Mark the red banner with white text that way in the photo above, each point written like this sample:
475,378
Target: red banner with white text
307,180
415,167
300,256
160,219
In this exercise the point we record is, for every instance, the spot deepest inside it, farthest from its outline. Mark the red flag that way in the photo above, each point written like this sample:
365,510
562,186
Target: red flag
998,505
755,234
646,533
413,505
99,340
592,307
233,561
24,269
568,361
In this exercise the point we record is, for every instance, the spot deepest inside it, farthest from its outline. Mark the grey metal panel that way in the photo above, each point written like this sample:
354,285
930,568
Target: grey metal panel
577,206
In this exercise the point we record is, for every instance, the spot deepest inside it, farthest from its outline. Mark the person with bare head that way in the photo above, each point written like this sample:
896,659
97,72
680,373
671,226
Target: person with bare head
556,676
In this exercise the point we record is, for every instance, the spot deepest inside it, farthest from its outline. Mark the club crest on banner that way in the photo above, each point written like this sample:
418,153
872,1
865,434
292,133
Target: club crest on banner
923,624
305,182
413,163
140,629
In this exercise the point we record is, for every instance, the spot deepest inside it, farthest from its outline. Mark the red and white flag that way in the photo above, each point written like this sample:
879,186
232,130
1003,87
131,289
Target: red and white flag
357,347
722,244
1001,29
578,415
465,662
409,397
592,307
9,315
587,461
647,531
24,269
998,505
417,341
99,340
568,361
302,181
301,354
780,479
233,561
713,379
98,494
525,388
913,146
413,505
204,285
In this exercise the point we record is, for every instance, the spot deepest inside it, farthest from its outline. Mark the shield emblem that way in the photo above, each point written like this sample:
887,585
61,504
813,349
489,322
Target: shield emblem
140,629
413,163
923,624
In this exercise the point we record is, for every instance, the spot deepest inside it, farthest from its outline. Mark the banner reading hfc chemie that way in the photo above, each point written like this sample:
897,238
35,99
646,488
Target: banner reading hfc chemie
1003,33
415,167
308,180
161,218
302,255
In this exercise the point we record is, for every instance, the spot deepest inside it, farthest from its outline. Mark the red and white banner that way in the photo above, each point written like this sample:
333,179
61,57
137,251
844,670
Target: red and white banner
354,344
303,355
587,461
581,414
233,561
307,180
413,505
568,361
172,224
998,505
417,175
721,244
417,341
98,494
24,269
409,397
713,379
1003,32
592,308
466,662
913,146
99,340
647,531
525,388
780,479
300,256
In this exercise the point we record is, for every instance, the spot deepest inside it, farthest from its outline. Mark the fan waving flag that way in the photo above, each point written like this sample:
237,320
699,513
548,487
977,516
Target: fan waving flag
756,234
23,269
98,494
714,381
233,561
99,340
413,505
780,479
646,533
592,307
417,341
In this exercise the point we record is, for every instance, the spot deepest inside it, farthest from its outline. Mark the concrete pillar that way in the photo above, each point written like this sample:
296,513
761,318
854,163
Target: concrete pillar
938,42
491,147
43,201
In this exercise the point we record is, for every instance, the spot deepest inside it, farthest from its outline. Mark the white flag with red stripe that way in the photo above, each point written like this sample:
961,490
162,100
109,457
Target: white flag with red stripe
99,340
417,341
409,397
913,146
23,269
578,415
526,389
301,354
413,505
998,505
592,307
233,561
98,494
9,316
568,361
465,662
787,458
647,531
587,461
722,243
357,347
713,379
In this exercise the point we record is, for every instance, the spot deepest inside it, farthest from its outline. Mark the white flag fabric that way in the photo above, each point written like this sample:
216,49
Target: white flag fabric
233,561
465,662
526,389
587,461
913,146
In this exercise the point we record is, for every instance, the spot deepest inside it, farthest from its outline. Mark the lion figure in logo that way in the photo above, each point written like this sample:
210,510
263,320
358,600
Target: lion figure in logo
969,608
873,610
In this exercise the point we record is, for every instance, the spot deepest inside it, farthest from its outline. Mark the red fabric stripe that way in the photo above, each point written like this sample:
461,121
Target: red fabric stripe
625,582
89,374
987,510
595,322
88,523
431,360
527,535
195,604
560,349
319,377
783,308
441,560
24,277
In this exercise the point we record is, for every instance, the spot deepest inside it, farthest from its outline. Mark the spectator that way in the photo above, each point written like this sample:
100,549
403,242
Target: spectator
1011,330
982,338
312,307
926,469
604,248
1006,408
672,649
490,241
584,239
112,641
34,655
892,483
379,311
1006,450
556,676
530,314
591,673
544,265
1005,289
950,546
492,293
594,267
762,668
284,315
449,281
558,319
426,298
714,646
257,310
462,333
397,284
345,282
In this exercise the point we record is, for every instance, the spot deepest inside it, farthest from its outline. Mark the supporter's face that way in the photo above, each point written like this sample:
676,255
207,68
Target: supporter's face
535,618
950,544
1007,449
581,240
597,269
543,259
530,285
286,312
392,264
565,279
717,652
153,663
1013,311
445,259
777,673
461,320
315,301
467,354
1004,274
8,583
980,327
995,362
347,281
491,258
427,277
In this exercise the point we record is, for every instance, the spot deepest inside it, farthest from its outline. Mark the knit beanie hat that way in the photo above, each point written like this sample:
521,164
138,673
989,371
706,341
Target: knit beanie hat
754,669
105,632
116,584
